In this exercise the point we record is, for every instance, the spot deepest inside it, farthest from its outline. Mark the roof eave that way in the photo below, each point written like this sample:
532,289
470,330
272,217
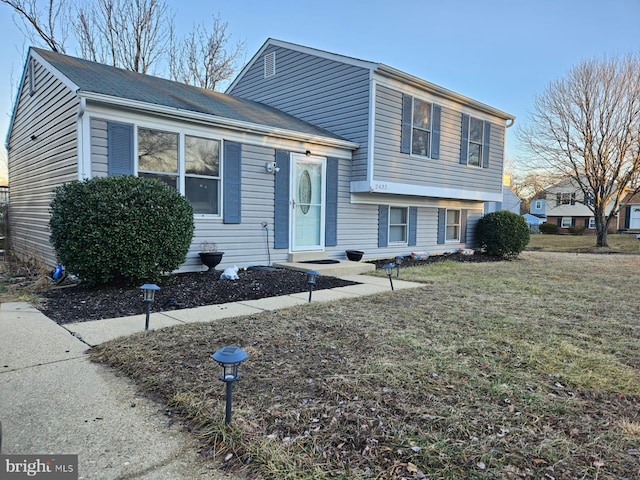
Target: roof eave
394,73
216,121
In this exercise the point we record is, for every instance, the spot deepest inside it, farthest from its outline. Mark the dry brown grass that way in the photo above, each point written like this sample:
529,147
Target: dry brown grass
618,243
520,369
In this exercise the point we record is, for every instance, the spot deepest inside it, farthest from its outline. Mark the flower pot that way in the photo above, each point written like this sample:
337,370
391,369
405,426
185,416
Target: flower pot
354,255
211,259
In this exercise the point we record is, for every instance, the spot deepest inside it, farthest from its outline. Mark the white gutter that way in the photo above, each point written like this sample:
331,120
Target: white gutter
215,121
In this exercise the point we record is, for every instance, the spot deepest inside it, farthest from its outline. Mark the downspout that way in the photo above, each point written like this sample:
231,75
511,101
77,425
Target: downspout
82,174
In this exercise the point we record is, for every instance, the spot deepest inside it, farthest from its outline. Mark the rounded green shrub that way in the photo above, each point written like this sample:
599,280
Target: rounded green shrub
503,233
549,228
120,230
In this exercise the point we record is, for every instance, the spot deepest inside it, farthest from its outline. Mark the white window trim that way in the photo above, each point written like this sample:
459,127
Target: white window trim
447,225
538,205
562,222
469,142
406,225
182,132
592,223
413,103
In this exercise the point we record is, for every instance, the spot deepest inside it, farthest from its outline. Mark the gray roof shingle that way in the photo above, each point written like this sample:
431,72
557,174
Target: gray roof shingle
115,82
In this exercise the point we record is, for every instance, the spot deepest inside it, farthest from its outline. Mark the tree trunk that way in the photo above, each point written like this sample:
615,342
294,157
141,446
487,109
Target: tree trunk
602,225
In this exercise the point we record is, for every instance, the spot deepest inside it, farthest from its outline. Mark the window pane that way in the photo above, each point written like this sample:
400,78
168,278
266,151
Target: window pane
397,215
397,233
202,156
421,115
475,154
202,193
420,143
170,180
452,232
157,150
453,217
475,130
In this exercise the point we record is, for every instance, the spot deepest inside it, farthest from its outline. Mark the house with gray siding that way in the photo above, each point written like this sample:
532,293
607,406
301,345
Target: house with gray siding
428,160
307,155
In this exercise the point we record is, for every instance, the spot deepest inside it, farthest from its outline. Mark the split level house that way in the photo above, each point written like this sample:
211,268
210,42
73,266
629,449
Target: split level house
565,205
308,153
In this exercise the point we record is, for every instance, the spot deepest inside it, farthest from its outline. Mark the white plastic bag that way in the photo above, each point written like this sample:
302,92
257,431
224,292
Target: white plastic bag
230,273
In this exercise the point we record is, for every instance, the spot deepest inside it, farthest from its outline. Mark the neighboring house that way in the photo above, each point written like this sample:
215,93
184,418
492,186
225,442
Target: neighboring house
565,205
630,213
510,201
329,152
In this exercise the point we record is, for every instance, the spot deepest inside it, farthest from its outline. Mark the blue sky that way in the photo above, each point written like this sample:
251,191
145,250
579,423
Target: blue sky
500,52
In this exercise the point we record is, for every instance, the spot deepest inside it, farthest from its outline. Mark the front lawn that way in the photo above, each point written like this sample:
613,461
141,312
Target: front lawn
618,243
520,369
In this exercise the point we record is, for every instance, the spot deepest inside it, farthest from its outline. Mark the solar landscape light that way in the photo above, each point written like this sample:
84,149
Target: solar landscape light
229,358
149,293
388,268
312,276
398,262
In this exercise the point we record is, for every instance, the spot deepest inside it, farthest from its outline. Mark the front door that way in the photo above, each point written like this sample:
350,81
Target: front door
634,219
307,203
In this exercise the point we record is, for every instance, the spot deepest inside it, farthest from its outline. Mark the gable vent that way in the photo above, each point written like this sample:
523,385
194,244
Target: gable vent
269,64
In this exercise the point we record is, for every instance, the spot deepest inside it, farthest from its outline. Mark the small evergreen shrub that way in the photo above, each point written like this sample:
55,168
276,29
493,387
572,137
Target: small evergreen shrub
576,230
120,230
549,228
503,233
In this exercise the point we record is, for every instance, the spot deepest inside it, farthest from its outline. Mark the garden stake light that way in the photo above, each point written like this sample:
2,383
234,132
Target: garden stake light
229,358
389,269
149,292
312,275
398,261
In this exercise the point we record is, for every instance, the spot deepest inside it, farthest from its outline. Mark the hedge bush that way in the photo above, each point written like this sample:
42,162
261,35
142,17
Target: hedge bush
549,228
503,233
120,230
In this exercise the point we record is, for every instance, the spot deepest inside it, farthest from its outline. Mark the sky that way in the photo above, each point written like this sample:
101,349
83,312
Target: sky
499,52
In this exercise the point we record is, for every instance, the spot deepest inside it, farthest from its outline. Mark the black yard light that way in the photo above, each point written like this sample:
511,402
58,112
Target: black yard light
398,262
149,292
229,358
312,276
389,269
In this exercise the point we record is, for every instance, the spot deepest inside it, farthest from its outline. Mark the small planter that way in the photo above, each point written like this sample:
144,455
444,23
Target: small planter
354,255
211,259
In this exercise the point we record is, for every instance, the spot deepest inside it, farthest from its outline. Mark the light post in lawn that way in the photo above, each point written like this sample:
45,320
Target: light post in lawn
388,268
312,276
398,262
149,292
229,358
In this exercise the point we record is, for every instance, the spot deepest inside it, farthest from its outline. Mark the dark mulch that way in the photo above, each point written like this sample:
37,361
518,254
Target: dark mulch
75,303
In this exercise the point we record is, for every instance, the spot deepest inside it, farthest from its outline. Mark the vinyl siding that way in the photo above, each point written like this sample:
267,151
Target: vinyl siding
326,93
99,152
37,166
392,166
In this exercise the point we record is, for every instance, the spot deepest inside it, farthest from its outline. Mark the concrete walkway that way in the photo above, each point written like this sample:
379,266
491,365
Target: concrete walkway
53,400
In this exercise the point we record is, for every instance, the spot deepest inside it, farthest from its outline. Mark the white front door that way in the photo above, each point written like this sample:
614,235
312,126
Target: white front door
307,202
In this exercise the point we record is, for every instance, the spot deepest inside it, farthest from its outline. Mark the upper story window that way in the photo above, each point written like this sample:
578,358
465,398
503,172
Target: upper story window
421,128
566,198
398,224
420,132
474,145
538,205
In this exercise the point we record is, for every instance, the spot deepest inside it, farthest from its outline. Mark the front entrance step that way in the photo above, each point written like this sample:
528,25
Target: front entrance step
306,256
340,269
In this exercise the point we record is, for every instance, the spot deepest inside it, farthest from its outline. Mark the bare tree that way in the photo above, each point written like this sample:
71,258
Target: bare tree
133,35
42,24
202,59
586,126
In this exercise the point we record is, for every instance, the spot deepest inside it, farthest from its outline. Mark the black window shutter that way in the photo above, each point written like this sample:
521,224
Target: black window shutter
573,221
119,149
435,131
413,226
281,207
331,211
558,199
407,115
464,139
232,208
485,146
463,226
586,223
627,216
383,226
573,198
559,222
442,225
